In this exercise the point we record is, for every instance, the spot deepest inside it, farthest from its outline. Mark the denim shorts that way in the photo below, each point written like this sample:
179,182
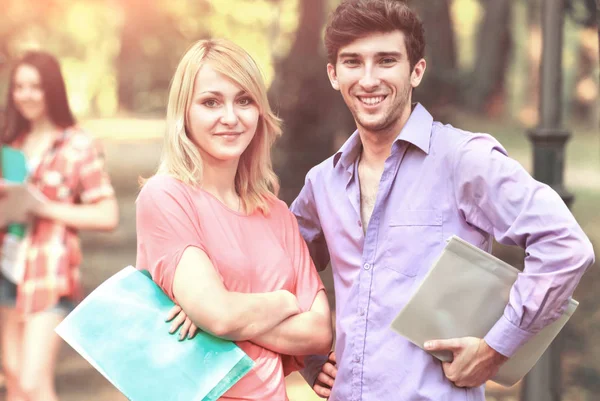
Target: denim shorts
8,298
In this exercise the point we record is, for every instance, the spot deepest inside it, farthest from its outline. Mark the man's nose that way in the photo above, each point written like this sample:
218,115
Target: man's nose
369,80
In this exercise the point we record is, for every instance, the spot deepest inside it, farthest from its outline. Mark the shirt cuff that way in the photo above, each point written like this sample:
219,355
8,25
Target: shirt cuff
312,368
506,338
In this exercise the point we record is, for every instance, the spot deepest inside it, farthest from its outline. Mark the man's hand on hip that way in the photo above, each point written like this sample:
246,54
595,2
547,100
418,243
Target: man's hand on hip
474,361
326,377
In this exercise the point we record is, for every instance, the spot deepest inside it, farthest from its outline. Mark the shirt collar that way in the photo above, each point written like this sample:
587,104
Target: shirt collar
416,131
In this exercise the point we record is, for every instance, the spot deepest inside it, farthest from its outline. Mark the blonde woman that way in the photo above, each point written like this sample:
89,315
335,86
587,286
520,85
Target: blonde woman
212,232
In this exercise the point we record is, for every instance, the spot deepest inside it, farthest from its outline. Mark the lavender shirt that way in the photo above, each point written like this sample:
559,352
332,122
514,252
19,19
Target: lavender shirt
438,181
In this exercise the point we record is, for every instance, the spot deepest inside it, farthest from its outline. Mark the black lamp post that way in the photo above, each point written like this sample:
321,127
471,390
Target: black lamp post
543,383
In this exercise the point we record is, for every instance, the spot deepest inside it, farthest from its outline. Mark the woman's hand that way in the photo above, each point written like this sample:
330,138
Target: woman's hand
180,319
36,201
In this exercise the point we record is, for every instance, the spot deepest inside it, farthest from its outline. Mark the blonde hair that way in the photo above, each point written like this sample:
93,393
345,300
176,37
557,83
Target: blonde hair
255,180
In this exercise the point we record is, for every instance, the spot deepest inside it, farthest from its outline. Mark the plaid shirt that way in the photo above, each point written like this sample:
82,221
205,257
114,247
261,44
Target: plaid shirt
71,172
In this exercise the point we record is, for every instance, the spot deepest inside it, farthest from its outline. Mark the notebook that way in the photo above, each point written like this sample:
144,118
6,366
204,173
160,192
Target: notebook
464,294
15,208
120,330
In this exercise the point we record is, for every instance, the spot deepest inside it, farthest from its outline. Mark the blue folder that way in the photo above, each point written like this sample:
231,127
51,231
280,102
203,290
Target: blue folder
120,329
14,164
14,169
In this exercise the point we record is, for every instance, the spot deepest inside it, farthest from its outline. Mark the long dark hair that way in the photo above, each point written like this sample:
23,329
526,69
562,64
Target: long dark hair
55,96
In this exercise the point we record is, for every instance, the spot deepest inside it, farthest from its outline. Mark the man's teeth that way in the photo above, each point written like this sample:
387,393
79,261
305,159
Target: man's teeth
372,100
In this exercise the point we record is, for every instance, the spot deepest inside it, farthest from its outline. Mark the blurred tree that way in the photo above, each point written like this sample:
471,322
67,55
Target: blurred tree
529,113
440,84
313,113
486,87
585,90
151,47
584,11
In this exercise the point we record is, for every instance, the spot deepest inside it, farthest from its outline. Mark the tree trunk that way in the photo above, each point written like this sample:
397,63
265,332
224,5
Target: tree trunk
129,58
530,112
313,113
598,24
439,86
487,86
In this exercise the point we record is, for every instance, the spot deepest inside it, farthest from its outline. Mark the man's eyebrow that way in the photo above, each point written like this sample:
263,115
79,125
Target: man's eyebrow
392,53
348,54
378,54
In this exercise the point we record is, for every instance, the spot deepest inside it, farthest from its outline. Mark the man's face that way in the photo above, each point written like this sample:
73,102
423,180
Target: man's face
374,76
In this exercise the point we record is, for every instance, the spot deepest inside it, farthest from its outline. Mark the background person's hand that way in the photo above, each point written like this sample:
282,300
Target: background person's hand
474,363
180,319
2,188
326,377
36,201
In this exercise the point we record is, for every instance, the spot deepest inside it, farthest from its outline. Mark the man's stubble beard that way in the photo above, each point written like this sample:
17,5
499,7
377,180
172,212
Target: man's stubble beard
395,113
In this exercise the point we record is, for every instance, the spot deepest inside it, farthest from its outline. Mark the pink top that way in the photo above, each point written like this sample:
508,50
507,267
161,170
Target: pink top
251,253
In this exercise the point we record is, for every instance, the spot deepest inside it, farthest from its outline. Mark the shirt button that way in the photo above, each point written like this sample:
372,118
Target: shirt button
361,312
367,266
359,223
357,358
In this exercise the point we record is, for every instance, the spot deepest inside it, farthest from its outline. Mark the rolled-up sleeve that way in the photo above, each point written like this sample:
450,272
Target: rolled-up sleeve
305,210
497,195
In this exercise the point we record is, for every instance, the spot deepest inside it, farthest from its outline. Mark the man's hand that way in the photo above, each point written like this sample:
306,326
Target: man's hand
474,362
326,377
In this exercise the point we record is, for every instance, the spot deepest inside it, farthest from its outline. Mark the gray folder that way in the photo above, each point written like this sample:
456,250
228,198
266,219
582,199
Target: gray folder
464,294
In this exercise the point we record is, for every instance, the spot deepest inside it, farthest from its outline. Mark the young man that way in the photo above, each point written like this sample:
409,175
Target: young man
384,204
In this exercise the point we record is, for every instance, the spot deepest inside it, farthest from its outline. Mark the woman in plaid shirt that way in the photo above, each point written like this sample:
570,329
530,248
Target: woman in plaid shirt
68,190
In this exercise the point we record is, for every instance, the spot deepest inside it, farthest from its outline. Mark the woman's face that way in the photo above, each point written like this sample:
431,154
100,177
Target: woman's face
222,118
28,94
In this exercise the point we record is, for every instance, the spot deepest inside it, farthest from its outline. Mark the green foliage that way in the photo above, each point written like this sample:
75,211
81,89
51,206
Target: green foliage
119,56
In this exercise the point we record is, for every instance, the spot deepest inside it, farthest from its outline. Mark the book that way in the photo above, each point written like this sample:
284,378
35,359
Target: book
13,165
464,294
120,330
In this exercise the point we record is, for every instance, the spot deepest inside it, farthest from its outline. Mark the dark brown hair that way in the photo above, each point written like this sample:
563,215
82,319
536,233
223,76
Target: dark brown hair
55,96
355,19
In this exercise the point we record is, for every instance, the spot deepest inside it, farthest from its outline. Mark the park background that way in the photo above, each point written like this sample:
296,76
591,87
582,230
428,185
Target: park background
118,57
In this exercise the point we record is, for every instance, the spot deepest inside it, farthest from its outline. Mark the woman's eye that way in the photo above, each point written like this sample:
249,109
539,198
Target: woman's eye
245,101
210,103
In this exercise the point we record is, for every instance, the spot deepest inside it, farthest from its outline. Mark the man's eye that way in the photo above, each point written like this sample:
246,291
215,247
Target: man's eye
351,62
388,60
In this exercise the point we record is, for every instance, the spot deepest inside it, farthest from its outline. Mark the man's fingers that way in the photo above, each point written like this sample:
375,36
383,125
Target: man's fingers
331,357
173,312
187,324
177,322
452,344
325,379
329,369
321,390
448,372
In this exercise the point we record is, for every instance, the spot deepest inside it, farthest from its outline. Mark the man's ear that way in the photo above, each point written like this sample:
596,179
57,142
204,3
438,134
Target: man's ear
332,76
417,73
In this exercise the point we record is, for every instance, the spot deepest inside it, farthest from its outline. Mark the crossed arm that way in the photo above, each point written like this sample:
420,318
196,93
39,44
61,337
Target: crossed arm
272,320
